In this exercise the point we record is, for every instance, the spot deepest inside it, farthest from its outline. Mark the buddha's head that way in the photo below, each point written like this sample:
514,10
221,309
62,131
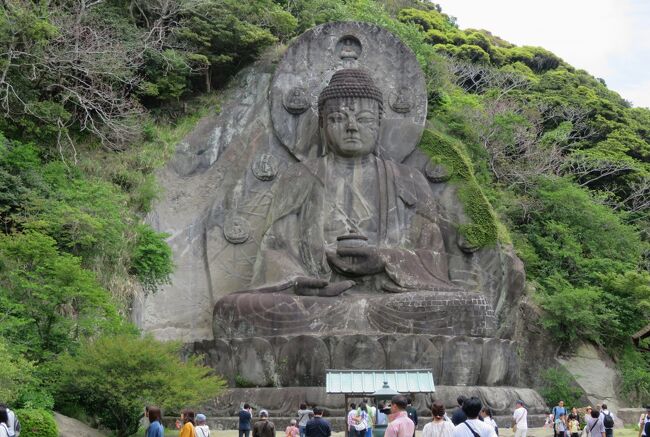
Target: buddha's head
350,109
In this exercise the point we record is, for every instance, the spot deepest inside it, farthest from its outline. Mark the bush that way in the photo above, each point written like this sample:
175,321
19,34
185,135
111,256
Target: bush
36,423
558,385
114,377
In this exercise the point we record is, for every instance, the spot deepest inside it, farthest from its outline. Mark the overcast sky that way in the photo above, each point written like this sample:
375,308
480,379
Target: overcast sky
608,38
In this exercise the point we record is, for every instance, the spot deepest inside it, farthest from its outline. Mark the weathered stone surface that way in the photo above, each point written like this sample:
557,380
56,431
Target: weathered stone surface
461,364
358,352
255,361
595,373
414,352
444,313
302,361
498,363
69,427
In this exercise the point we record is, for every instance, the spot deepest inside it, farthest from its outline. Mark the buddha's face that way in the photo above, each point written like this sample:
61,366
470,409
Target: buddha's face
351,126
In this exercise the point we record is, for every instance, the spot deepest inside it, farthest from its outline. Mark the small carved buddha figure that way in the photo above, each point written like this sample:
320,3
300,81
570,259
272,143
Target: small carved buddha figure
350,219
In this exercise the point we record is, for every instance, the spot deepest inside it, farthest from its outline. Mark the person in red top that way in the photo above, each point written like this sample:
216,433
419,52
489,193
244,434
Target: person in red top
399,424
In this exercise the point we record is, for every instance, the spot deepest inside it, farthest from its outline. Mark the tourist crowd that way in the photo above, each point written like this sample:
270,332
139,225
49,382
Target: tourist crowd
470,419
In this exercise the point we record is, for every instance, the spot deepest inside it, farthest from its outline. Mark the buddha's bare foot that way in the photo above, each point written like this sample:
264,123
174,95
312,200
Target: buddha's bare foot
320,287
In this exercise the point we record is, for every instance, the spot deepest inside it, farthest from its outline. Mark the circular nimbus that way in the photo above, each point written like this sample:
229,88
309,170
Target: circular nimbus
310,62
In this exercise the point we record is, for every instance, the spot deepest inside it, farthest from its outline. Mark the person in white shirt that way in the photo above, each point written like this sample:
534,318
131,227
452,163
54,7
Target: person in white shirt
473,427
201,429
4,418
486,416
609,431
11,421
520,419
440,426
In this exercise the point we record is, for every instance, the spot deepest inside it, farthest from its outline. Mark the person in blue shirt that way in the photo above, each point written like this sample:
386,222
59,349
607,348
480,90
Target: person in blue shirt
155,423
558,411
245,418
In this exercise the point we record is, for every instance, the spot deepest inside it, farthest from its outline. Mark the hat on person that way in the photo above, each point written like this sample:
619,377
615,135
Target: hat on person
264,413
200,417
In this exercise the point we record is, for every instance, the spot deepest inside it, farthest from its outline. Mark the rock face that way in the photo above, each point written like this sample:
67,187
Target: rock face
309,231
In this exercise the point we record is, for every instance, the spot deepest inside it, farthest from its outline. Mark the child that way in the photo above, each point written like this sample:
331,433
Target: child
201,429
574,425
548,423
560,425
292,430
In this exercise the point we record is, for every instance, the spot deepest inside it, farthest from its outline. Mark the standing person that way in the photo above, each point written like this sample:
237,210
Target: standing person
607,417
303,416
351,415
202,429
4,419
13,425
399,424
574,424
473,426
643,421
486,416
557,411
520,419
382,419
412,413
459,416
245,418
439,425
586,419
292,430
187,417
264,427
560,425
361,421
372,417
155,428
317,426
595,427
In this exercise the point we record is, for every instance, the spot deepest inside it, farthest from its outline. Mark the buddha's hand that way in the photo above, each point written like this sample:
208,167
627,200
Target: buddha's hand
306,286
356,261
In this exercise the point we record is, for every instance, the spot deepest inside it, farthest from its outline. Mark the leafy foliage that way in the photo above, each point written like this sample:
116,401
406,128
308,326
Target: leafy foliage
37,423
113,377
557,385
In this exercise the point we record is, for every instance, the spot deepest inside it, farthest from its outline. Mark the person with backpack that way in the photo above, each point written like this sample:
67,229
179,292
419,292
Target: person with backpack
264,427
557,411
607,417
4,419
13,424
473,426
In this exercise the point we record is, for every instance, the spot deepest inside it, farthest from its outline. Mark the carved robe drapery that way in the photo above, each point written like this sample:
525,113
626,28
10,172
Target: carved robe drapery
407,234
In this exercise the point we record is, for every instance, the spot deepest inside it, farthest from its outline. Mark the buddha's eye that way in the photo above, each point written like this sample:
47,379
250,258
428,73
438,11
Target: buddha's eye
365,120
336,117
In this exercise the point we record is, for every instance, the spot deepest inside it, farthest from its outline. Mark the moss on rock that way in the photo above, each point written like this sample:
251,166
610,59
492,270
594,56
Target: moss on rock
484,229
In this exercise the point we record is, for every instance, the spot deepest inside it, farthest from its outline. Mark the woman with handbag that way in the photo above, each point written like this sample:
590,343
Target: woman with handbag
361,421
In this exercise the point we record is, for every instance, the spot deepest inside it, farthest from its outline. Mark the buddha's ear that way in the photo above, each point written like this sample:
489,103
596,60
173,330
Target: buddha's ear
322,146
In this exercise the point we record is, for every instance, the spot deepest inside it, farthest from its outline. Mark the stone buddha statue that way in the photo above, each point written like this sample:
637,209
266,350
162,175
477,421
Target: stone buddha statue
346,227
348,219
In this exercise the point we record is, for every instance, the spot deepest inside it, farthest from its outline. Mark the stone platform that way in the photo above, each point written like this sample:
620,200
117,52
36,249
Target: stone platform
282,404
301,360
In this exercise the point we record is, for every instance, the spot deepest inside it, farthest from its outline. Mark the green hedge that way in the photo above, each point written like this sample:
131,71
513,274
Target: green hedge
36,423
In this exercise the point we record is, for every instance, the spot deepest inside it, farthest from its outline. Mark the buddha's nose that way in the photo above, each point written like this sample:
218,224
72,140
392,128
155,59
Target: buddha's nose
352,124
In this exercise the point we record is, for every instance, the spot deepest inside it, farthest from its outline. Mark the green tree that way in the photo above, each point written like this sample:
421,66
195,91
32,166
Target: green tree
113,378
47,299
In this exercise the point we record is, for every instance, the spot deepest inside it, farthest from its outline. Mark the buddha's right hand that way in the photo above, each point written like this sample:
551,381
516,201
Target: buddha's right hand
306,286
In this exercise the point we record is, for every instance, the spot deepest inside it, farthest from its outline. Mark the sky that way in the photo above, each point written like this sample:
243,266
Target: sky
608,38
